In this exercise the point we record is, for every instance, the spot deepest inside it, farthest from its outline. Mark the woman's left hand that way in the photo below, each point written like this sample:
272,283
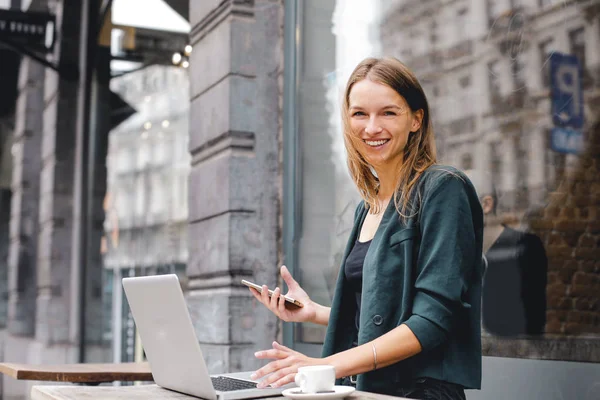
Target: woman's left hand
283,369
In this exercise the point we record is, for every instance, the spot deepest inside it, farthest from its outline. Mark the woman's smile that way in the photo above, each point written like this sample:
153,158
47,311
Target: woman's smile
376,144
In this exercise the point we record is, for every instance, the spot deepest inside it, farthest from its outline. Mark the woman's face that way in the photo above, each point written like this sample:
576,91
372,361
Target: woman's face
382,119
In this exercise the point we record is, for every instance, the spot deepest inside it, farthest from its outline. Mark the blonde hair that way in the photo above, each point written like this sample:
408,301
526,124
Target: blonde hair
419,152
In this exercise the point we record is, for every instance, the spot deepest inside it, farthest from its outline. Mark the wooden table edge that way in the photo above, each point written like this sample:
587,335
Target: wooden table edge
52,373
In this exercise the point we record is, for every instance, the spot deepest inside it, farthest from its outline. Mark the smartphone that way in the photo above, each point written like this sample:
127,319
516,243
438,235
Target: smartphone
288,299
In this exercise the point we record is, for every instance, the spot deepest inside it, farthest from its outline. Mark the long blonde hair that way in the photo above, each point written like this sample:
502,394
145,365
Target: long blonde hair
419,152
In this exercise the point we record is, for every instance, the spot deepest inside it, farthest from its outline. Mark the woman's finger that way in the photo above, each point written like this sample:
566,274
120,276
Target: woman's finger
274,298
287,277
282,348
256,294
281,306
271,367
264,295
271,354
288,378
277,379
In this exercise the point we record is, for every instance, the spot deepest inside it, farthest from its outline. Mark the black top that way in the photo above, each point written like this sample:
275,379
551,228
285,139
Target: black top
354,273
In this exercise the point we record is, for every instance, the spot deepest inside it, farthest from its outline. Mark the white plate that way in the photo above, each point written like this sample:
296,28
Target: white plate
339,392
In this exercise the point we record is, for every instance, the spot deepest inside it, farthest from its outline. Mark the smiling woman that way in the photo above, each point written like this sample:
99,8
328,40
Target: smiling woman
405,316
386,122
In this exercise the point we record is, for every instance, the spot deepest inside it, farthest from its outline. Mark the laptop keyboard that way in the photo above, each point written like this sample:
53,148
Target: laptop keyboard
226,384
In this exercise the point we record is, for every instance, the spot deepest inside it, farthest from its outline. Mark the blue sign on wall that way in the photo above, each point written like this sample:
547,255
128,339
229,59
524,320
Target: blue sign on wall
566,140
567,91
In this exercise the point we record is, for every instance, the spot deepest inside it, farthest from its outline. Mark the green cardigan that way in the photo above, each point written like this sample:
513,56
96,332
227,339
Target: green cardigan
426,274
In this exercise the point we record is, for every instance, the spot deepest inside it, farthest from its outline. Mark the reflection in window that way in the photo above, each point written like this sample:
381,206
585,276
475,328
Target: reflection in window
494,79
466,162
577,45
545,50
518,71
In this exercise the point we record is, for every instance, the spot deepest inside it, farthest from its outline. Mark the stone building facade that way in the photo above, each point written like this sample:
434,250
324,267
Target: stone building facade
236,94
484,65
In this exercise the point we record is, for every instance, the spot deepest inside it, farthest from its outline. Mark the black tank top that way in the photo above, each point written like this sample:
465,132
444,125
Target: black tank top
353,269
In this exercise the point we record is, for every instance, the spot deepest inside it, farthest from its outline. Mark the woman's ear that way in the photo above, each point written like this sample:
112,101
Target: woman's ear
417,120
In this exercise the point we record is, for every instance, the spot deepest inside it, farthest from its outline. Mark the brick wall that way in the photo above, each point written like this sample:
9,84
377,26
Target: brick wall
570,230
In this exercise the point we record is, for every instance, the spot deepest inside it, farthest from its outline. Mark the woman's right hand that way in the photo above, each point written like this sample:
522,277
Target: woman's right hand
289,313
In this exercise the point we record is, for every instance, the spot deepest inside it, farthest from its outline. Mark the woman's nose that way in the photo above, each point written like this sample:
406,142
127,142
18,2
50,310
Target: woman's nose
372,126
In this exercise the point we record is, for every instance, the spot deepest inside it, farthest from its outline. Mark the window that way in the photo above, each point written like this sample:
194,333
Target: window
461,24
494,79
143,154
545,51
508,145
465,81
518,72
466,162
577,44
140,196
433,33
158,204
493,10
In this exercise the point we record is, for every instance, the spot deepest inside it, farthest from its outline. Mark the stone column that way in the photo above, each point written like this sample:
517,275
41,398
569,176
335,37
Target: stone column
57,325
27,143
235,181
96,350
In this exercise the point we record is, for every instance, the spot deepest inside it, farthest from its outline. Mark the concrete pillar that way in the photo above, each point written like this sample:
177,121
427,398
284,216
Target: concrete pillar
26,151
235,182
96,350
57,326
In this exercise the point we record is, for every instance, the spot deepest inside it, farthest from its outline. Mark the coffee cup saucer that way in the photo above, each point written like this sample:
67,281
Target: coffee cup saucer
339,392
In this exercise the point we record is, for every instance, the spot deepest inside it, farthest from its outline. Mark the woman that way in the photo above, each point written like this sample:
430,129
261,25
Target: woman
405,317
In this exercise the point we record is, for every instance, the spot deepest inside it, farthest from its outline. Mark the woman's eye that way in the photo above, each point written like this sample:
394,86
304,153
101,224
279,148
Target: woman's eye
358,114
389,113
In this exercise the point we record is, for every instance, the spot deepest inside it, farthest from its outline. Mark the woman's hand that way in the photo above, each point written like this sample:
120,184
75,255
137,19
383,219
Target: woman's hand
308,313
283,369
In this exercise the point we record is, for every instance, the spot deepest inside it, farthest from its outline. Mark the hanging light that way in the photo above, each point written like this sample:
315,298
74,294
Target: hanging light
187,50
176,59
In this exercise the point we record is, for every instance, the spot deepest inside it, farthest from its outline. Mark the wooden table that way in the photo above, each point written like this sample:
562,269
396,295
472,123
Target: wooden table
145,392
79,373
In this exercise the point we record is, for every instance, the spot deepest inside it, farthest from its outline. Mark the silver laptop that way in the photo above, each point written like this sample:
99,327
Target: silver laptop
169,340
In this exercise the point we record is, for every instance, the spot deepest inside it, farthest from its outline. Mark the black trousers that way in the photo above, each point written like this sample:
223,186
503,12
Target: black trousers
426,389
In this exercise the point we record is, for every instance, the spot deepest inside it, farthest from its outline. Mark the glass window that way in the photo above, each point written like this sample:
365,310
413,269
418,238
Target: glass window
542,193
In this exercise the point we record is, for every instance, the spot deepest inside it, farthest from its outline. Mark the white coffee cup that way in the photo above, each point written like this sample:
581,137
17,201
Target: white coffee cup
316,378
